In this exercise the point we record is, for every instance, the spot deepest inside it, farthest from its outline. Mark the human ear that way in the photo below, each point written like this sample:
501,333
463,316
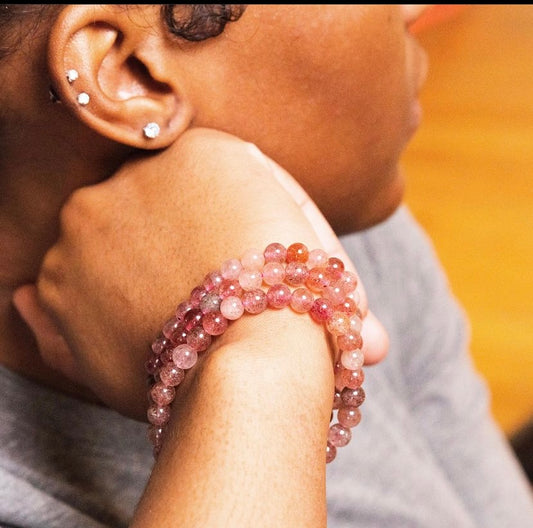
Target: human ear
122,59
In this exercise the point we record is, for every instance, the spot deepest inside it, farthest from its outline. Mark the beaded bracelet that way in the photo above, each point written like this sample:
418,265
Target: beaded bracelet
278,277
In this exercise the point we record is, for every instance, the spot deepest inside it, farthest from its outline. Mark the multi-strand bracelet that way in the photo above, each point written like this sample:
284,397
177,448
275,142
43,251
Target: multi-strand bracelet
278,277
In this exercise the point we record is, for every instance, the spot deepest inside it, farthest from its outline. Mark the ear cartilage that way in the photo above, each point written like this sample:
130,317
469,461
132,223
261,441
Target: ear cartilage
83,99
151,130
72,75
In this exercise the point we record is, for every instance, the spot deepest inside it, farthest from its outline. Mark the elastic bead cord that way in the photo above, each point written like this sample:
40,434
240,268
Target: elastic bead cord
278,277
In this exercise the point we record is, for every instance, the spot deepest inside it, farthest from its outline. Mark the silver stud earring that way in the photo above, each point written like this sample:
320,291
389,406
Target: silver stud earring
83,99
72,75
151,130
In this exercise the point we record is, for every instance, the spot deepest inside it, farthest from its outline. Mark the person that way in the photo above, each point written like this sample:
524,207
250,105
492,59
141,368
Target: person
142,146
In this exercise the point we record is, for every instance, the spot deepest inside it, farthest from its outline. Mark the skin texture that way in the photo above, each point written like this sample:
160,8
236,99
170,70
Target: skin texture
327,92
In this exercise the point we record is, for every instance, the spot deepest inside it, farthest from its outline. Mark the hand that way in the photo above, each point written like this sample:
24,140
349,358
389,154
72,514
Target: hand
131,248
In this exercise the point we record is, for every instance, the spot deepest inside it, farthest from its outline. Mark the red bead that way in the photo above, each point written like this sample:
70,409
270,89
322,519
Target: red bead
321,310
297,252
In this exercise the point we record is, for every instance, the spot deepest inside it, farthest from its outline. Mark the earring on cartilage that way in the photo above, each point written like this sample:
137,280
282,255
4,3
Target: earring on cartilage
151,130
83,99
72,75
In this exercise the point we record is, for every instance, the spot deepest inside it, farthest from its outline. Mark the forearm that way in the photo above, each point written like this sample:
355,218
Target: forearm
246,444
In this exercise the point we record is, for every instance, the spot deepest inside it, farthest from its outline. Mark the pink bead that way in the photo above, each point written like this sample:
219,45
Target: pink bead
232,308
192,318
152,365
170,327
334,268
198,339
353,378
182,309
210,302
331,453
273,273
302,300
347,306
184,357
321,310
254,301
349,416
352,359
353,397
212,280
275,252
296,273
166,356
231,269
196,296
250,279
317,257
337,400
253,259
162,394
155,434
297,252
339,436
350,341
160,344
334,293
338,323
158,415
171,375
317,280
349,280
215,323
229,288
279,296
356,324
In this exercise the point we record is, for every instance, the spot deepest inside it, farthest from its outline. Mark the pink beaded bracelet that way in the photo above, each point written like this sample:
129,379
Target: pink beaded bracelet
278,277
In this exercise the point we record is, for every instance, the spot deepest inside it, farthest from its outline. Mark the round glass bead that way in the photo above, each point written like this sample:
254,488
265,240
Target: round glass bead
316,280
349,416
231,269
331,453
215,323
350,341
254,301
229,288
232,308
353,397
275,252
198,339
338,435
317,257
279,296
197,295
352,359
253,259
302,300
162,394
212,280
297,252
192,318
250,279
352,378
338,323
184,357
321,310
210,302
171,375
273,273
296,273
158,415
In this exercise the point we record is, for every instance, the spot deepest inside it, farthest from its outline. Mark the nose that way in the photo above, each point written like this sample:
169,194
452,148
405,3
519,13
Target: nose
412,12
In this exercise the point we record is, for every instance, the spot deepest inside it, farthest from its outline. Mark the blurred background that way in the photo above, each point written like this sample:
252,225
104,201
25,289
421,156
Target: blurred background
470,184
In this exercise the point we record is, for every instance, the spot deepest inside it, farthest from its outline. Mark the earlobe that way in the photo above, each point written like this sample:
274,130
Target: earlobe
111,68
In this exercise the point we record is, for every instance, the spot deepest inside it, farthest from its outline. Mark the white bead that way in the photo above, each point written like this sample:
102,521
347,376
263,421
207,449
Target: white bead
72,75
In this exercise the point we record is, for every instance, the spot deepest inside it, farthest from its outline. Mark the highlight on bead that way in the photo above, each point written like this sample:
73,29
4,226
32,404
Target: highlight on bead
279,277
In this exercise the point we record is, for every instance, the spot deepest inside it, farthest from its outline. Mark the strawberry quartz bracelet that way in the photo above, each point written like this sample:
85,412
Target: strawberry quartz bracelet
278,277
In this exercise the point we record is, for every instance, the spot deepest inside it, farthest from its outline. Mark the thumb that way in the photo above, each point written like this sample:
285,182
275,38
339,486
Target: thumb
53,347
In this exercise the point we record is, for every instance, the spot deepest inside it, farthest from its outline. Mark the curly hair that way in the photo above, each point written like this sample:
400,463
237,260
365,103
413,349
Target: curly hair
192,22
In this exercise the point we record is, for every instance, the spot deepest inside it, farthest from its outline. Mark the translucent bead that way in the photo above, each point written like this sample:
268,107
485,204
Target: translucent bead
171,375
231,269
338,323
297,252
152,365
184,357
210,302
321,310
352,359
229,288
170,327
353,397
279,296
275,252
160,344
334,292
349,416
253,259
158,415
273,273
316,280
355,324
317,257
339,436
296,273
192,318
347,306
197,295
353,378
302,300
212,281
349,281
198,339
254,301
182,309
334,268
350,341
337,400
250,279
215,323
232,308
331,453
162,394
155,434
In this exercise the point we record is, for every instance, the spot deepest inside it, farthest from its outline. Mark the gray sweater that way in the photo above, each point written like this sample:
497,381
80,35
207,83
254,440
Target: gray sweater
426,454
